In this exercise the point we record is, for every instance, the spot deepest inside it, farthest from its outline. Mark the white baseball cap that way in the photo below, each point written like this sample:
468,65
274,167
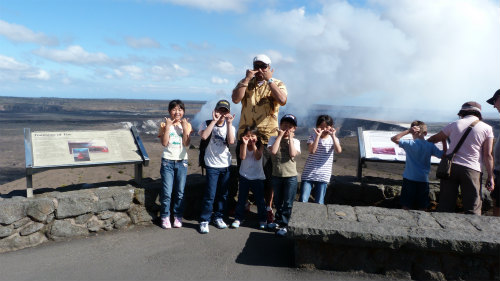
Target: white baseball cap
263,58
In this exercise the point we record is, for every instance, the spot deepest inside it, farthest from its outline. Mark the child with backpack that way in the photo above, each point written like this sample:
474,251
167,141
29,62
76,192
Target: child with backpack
317,171
284,148
217,160
174,135
251,176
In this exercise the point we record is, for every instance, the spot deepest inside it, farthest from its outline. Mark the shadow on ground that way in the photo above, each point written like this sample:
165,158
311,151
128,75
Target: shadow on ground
265,249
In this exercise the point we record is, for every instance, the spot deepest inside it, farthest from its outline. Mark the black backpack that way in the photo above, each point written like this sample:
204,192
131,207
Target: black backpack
203,147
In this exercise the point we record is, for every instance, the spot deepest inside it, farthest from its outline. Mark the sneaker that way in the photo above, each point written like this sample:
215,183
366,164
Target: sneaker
235,224
220,224
262,225
177,222
203,227
282,232
273,225
165,223
270,216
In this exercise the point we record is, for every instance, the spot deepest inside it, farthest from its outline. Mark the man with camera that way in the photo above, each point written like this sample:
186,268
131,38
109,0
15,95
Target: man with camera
261,96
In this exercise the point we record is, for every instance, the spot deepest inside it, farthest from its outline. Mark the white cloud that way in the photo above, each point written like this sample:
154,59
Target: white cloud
180,71
12,70
40,75
167,72
134,72
117,73
19,33
8,63
397,53
238,6
218,80
73,54
224,67
140,43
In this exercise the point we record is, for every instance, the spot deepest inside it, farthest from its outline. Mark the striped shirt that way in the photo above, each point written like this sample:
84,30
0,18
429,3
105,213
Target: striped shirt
318,165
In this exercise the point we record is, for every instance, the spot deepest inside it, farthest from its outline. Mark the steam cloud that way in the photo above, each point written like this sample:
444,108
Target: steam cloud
400,54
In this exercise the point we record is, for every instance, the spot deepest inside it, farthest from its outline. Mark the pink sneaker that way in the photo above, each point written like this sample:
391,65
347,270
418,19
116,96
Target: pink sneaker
165,223
177,222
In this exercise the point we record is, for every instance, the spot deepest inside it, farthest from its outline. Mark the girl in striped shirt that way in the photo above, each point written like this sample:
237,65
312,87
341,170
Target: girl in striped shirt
318,168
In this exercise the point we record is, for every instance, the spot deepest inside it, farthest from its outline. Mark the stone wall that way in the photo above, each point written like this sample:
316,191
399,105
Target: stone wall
396,243
54,216
382,192
27,222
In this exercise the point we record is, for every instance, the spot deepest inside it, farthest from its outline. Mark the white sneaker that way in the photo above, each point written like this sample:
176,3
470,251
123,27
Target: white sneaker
235,224
282,232
262,225
203,227
220,224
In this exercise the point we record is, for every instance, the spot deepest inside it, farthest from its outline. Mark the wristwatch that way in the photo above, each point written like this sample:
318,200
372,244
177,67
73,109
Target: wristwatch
270,80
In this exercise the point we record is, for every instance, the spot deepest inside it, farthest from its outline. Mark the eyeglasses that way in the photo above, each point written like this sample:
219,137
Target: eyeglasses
260,66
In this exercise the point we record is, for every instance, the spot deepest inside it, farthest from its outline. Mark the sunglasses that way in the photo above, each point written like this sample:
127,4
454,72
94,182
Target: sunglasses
260,66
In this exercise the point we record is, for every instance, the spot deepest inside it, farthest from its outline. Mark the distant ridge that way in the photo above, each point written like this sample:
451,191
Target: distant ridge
51,105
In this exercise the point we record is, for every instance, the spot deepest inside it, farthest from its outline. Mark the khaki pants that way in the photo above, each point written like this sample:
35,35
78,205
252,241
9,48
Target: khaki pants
470,185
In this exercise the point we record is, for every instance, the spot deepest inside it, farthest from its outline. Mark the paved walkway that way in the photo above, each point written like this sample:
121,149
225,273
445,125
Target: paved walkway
151,253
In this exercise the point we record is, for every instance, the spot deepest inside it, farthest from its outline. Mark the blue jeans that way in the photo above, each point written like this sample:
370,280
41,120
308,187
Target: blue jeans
285,189
173,179
214,198
319,188
415,194
257,187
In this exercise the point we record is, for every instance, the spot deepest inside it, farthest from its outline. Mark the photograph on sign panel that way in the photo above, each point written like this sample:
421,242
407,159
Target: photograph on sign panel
94,146
81,154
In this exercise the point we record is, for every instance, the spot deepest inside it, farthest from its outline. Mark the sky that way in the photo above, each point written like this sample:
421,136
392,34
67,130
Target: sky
399,55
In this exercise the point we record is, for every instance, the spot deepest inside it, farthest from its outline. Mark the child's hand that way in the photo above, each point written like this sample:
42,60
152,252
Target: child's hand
332,131
291,134
318,131
229,117
216,115
185,124
245,139
415,130
168,122
280,132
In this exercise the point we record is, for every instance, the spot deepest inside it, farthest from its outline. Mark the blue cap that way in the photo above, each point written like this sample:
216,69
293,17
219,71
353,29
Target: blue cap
290,118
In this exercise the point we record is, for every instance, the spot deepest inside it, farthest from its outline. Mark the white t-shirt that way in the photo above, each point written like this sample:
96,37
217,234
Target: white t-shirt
217,154
252,169
175,150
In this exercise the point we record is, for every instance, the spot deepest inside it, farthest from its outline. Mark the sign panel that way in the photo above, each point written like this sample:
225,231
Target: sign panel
73,148
378,146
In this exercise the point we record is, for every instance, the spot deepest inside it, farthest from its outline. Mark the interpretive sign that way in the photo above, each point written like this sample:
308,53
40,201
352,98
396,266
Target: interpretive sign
377,146
71,149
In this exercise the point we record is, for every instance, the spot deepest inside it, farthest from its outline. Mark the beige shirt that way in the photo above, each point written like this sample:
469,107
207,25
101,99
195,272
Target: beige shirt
283,164
259,108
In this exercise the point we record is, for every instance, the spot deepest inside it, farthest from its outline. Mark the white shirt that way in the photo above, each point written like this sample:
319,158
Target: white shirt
217,154
175,150
252,169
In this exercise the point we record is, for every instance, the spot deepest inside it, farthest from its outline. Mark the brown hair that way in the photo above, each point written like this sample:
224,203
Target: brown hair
421,124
